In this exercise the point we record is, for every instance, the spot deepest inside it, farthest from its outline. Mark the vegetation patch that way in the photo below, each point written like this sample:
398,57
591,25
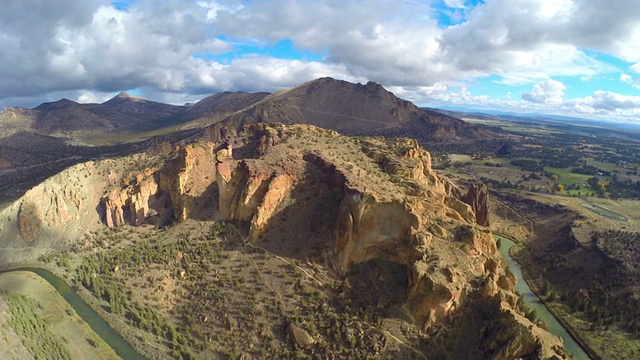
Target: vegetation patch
34,332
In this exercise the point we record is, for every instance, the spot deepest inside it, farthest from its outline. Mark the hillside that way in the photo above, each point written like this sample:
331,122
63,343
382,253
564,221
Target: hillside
216,107
42,141
356,109
283,241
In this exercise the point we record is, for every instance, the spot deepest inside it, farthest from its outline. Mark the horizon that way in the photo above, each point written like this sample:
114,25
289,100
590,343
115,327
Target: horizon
574,59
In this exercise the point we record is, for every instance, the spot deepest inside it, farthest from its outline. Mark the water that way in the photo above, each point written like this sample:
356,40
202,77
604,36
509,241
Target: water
531,299
125,351
117,343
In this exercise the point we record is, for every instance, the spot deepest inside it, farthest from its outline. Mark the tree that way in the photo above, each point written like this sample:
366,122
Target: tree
560,187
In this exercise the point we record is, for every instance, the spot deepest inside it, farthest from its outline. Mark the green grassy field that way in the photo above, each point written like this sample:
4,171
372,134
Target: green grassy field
604,166
58,323
565,176
459,157
522,130
628,208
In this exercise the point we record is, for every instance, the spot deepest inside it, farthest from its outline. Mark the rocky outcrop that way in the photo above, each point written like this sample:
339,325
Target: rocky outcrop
403,213
188,178
375,199
112,207
178,189
56,213
478,198
300,336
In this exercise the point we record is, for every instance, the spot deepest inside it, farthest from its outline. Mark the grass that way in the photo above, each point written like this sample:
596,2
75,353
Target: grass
45,321
565,176
459,157
487,122
522,130
628,208
603,165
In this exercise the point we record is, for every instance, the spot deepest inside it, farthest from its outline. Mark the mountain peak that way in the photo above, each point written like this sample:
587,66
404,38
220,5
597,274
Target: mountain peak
122,97
54,105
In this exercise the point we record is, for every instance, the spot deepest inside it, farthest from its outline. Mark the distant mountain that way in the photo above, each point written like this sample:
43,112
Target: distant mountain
65,117
119,113
355,109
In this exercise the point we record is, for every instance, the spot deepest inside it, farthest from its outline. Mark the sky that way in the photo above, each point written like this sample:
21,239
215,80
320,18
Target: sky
565,57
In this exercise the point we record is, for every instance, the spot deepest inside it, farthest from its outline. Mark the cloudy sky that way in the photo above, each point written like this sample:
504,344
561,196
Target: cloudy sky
568,57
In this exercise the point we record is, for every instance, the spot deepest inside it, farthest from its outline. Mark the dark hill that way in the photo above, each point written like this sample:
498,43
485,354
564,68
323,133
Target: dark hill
122,112
355,109
66,116
131,112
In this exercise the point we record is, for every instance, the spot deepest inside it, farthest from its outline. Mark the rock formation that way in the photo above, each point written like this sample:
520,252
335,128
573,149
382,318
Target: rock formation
299,336
392,207
478,198
176,190
356,199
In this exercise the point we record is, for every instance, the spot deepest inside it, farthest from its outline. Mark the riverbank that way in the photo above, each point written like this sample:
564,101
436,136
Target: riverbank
61,320
532,298
551,306
140,343
86,307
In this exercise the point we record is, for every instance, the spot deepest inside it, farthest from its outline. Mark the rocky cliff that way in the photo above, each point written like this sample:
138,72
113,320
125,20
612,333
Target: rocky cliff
385,203
478,198
56,213
307,192
176,190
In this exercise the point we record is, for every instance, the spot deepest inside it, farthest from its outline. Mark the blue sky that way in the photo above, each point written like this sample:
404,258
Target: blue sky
565,57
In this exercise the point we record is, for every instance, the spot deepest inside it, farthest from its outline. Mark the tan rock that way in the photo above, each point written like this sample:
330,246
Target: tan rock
478,198
300,336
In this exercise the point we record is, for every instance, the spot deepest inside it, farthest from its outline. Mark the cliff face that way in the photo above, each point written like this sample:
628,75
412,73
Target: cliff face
478,198
353,200
393,207
57,212
178,189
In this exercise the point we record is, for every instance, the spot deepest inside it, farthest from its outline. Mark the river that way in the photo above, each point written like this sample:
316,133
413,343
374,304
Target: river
531,299
117,343
125,351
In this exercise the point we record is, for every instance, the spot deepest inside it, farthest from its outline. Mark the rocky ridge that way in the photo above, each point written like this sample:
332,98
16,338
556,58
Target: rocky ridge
387,204
351,200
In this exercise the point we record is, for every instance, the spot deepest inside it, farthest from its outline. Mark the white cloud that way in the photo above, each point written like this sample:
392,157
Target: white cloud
88,96
606,101
626,78
67,47
546,92
456,4
633,80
